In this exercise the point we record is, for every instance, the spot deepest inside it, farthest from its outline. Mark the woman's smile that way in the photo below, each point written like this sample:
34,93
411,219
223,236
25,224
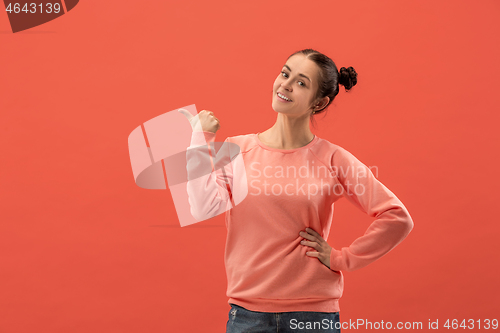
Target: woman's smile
282,99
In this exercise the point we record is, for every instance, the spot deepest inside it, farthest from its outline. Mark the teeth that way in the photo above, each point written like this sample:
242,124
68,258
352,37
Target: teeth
280,95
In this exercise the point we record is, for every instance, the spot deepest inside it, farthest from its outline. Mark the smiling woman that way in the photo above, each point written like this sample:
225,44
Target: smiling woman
279,265
306,86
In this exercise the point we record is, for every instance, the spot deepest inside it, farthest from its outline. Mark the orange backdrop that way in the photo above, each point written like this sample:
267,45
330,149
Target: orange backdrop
84,249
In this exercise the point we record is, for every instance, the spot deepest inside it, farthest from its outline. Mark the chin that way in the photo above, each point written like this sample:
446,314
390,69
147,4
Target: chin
276,106
279,110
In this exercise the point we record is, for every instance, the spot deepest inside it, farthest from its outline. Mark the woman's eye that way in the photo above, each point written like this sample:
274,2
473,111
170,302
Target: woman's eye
286,75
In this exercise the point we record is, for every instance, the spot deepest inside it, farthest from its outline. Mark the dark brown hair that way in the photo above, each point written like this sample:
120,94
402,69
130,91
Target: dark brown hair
329,77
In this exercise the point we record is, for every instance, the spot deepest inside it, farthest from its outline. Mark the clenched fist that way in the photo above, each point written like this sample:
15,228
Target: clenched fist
204,121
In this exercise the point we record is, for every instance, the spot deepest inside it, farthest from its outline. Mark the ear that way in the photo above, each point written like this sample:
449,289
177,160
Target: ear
322,103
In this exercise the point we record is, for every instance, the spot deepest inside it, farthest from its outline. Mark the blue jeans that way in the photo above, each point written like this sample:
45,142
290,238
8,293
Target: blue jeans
242,320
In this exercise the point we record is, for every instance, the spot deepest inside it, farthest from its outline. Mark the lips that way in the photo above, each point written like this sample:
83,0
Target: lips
290,100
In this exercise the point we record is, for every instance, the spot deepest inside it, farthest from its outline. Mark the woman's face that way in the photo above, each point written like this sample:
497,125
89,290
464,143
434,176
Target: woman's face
298,81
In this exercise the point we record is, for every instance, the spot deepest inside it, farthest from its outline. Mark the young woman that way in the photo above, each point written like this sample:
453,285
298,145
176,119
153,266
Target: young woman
282,274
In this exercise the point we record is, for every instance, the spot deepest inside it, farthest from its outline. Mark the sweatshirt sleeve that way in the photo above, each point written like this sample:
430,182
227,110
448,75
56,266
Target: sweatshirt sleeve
209,179
392,224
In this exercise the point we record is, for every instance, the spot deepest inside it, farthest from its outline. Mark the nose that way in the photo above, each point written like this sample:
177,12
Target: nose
286,85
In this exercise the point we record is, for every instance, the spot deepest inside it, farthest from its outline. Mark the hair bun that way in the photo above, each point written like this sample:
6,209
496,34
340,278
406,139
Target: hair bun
348,77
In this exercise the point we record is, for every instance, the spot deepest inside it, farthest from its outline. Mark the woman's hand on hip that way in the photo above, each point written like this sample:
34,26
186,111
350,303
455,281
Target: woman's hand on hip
314,240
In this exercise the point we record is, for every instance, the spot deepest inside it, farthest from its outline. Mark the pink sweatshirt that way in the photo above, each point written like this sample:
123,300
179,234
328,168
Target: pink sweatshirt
288,190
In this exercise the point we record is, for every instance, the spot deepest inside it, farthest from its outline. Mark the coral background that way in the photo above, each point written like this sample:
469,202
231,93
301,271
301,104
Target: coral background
84,249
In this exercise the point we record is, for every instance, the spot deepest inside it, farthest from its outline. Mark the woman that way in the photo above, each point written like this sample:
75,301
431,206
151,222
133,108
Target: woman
282,274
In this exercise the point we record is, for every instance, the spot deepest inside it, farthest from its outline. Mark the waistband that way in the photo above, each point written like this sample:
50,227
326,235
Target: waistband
288,305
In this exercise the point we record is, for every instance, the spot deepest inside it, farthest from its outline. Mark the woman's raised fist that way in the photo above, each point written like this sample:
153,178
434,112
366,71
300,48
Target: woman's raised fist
204,121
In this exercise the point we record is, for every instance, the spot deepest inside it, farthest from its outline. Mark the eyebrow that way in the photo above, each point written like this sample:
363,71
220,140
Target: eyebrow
300,74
